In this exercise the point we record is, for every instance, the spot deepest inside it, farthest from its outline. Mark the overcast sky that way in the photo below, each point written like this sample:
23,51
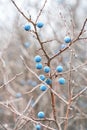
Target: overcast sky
7,10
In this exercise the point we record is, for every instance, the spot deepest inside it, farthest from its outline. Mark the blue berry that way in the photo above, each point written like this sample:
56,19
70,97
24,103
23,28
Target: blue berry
67,39
49,81
61,81
27,27
41,114
37,58
26,44
39,66
38,127
22,82
18,95
42,77
40,24
29,82
63,46
56,51
34,83
43,87
59,68
47,69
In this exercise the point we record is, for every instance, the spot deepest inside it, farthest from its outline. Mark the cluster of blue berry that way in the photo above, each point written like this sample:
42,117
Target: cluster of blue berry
46,69
27,26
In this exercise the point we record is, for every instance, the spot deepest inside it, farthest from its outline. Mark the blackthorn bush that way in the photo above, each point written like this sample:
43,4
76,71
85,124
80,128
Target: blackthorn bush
43,68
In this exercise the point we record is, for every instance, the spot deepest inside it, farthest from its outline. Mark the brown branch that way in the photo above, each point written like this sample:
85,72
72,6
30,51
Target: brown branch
71,43
73,69
69,94
81,92
32,90
43,81
45,119
82,28
3,126
48,41
11,79
83,38
29,20
40,11
13,109
41,43
53,103
35,32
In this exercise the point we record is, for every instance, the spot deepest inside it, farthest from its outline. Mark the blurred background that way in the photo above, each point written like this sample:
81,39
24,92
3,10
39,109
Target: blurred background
60,18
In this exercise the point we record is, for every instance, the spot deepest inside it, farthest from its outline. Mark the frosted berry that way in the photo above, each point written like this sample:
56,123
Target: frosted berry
27,27
46,69
42,77
67,39
39,66
39,24
59,68
49,81
61,81
41,114
38,127
37,58
43,87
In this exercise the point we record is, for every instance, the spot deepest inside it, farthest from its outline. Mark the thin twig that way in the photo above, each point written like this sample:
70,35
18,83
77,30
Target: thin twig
69,92
3,126
27,67
40,11
22,13
81,92
12,79
66,72
71,43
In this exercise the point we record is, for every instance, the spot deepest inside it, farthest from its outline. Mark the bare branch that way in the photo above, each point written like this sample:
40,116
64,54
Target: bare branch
81,92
